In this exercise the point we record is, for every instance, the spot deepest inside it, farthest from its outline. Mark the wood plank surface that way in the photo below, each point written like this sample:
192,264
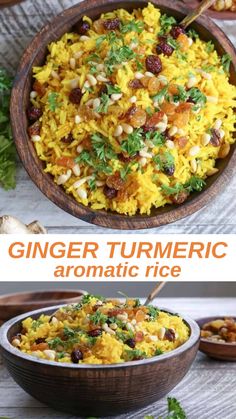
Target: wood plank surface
18,25
207,392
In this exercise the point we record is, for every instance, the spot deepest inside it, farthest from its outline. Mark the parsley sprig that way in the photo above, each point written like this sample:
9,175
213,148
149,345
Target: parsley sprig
225,61
7,148
102,148
53,101
133,143
166,23
132,26
175,411
117,55
193,184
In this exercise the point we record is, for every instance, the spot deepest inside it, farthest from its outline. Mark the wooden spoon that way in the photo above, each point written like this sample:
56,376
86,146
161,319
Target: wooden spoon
154,292
204,5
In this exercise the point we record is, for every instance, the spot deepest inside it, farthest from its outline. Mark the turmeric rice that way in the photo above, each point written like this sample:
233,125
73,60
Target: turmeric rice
131,111
99,331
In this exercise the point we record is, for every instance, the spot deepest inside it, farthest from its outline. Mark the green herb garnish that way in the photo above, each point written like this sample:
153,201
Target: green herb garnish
225,61
112,89
118,55
209,47
102,148
36,324
103,107
7,148
98,317
172,190
195,184
153,312
133,354
158,352
162,93
193,34
164,161
166,23
133,143
198,97
53,101
132,26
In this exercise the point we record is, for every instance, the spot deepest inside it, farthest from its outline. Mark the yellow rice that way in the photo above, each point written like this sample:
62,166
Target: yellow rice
126,331
143,185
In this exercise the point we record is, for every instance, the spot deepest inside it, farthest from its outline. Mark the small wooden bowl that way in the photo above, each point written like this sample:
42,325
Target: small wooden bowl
216,350
35,56
97,390
12,305
8,3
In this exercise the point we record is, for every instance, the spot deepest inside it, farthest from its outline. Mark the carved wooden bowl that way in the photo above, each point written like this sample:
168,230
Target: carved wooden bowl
35,56
97,390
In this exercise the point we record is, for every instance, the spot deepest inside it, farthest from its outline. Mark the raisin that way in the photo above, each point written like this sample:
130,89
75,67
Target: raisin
153,64
139,336
169,335
215,138
34,129
164,48
169,170
40,340
95,333
68,139
81,27
138,118
176,31
111,24
131,111
75,96
179,198
34,113
131,343
182,142
125,158
76,356
39,88
154,119
135,84
115,181
109,192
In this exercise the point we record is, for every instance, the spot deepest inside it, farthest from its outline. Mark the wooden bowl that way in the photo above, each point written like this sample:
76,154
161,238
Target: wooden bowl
227,15
5,3
216,350
97,390
12,305
35,56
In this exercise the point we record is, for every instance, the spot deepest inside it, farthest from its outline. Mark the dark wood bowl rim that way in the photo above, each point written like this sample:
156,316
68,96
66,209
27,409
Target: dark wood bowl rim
5,344
209,342
29,302
58,196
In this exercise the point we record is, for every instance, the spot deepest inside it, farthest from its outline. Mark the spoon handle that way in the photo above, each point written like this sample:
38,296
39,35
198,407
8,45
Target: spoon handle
154,292
204,5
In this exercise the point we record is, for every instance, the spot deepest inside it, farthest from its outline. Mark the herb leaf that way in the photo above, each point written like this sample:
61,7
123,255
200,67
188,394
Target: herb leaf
52,101
132,26
102,148
98,317
103,107
133,143
166,23
225,61
195,184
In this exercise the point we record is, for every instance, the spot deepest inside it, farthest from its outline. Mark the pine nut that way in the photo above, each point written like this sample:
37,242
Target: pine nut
122,317
161,126
151,30
192,81
144,153
33,94
143,161
139,75
78,54
100,67
116,96
92,80
130,326
173,130
128,129
72,63
84,38
217,124
153,338
212,171
55,75
100,183
16,342
82,193
163,80
50,355
149,74
165,118
96,103
118,131
161,333
194,150
181,131
190,42
206,138
76,170
74,83
35,138
133,99
113,326
78,119
85,86
107,329
101,78
170,144
54,321
64,177
79,148
193,165
80,182
212,99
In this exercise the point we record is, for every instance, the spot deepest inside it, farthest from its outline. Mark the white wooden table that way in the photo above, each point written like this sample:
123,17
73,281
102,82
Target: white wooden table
17,27
207,392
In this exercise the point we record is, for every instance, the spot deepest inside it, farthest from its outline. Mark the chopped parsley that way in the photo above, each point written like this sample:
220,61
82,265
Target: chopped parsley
103,107
197,96
193,34
156,137
125,171
225,61
110,37
54,343
7,148
68,332
133,143
195,184
158,352
164,161
132,26
166,23
36,324
112,89
153,312
98,317
118,55
209,47
175,411
133,354
172,190
53,101
162,93
103,150
182,96
92,183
